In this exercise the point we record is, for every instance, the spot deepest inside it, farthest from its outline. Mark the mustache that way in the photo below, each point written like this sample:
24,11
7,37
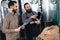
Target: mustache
29,11
14,11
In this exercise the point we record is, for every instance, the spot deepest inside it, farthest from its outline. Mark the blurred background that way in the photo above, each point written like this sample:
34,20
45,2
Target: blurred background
48,12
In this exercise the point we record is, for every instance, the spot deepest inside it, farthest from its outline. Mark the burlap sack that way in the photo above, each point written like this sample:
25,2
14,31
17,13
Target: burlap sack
50,33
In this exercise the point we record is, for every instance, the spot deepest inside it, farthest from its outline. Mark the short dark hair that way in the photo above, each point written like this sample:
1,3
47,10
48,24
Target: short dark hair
11,3
25,4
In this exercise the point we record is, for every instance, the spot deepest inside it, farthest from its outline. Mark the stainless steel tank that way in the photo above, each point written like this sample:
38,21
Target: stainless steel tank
49,13
49,9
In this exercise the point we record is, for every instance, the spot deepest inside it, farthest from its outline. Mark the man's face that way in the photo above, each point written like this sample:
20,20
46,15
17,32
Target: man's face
15,8
27,8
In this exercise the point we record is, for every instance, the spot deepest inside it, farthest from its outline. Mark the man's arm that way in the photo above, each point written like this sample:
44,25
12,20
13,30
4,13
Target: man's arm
37,20
6,24
24,19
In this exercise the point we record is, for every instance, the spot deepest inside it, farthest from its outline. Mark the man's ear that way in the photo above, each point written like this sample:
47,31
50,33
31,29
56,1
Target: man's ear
11,6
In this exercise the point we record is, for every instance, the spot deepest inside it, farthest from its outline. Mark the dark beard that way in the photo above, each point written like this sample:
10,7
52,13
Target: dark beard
15,11
29,11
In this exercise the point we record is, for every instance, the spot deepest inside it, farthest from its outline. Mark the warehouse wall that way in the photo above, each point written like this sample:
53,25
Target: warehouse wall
58,16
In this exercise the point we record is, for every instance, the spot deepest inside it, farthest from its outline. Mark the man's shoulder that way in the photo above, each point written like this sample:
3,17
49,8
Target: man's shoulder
24,13
34,12
7,16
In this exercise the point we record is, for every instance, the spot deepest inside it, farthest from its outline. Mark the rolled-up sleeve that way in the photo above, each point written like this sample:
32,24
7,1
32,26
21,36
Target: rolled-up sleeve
6,24
24,19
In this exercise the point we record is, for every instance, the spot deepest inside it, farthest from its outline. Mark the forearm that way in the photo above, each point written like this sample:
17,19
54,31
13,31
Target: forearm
27,20
8,30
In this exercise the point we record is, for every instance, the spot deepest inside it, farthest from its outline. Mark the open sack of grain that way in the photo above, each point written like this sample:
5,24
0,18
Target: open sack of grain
50,33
